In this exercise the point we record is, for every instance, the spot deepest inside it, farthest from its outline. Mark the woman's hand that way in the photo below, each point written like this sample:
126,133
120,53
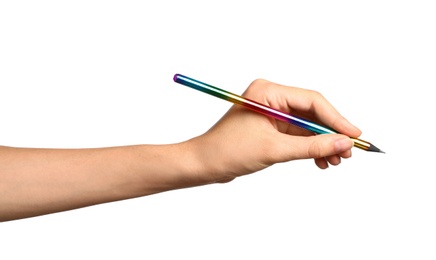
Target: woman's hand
243,141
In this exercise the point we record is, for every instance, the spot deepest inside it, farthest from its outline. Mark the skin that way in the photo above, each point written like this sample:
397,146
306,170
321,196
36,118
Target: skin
35,182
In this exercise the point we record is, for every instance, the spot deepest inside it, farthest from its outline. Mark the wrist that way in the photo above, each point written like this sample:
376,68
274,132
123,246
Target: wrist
171,166
193,164
206,166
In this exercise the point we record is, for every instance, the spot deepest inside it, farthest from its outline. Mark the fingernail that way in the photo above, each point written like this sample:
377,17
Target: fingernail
343,145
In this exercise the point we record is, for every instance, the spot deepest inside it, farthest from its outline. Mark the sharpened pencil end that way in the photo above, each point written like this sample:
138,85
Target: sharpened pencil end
373,148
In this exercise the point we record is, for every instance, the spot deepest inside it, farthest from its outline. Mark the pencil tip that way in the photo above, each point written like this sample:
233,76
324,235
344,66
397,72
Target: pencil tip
373,148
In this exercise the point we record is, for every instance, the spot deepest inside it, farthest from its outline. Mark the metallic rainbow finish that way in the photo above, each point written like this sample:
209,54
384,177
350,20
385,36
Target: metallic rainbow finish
268,111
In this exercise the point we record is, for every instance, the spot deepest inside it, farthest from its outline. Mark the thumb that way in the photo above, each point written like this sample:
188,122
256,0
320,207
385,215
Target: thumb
318,146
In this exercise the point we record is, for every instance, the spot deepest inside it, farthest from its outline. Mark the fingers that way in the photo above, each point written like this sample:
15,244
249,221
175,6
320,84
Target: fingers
324,162
330,147
324,145
321,163
313,102
307,102
291,143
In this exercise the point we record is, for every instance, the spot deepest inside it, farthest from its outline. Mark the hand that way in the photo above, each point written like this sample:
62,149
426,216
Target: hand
244,141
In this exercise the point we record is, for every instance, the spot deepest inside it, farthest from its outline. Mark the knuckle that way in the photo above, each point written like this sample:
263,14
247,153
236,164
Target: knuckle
257,88
258,82
316,94
315,150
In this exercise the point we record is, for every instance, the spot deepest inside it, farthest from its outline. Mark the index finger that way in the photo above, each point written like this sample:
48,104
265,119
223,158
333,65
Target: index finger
314,104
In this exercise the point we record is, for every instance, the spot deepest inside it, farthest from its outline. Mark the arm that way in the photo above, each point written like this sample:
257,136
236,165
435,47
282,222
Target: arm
41,181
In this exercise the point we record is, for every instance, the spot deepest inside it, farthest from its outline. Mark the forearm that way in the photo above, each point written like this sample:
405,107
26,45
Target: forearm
41,181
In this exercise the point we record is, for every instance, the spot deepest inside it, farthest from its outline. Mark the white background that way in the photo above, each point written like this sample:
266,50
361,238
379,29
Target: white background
99,73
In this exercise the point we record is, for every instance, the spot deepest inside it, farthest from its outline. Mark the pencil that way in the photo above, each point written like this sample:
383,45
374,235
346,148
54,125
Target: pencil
268,111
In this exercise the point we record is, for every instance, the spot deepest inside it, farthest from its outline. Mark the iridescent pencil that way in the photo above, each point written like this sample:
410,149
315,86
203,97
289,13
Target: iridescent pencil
268,111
